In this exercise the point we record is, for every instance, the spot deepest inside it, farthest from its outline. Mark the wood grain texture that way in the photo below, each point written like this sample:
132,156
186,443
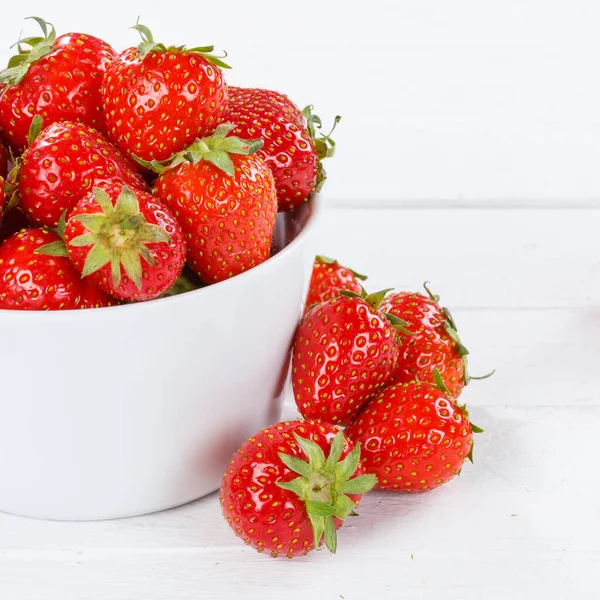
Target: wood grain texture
522,522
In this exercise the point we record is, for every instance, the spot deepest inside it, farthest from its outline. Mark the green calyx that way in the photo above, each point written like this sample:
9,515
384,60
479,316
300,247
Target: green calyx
374,300
118,235
186,282
214,149
452,331
332,261
148,45
324,484
324,145
30,49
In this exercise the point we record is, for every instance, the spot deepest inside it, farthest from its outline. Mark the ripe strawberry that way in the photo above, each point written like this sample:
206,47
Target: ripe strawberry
293,147
414,436
110,232
344,350
56,78
62,164
224,199
30,280
431,342
328,278
3,160
280,493
158,100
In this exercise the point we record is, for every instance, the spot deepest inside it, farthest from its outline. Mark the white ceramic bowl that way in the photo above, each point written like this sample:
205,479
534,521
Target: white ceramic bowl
121,411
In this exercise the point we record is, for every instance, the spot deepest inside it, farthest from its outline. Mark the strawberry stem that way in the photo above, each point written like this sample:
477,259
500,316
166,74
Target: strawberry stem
148,44
35,48
323,485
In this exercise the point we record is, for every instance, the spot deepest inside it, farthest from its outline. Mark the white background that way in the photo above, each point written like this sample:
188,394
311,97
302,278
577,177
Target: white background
442,100
446,103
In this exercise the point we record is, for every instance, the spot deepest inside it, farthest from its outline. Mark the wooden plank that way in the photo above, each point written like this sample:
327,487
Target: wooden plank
474,258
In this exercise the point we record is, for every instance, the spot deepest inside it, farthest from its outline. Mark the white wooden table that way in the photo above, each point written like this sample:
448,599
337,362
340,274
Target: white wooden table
522,523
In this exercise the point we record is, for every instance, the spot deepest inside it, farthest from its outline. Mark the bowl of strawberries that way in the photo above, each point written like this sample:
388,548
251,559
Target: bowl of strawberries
178,212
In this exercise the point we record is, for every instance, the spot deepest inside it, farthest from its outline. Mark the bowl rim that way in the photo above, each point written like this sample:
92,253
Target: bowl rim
317,207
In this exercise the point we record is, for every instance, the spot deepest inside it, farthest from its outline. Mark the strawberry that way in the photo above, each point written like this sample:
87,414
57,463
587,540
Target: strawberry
127,242
56,78
158,100
293,147
30,280
344,350
328,278
62,164
431,342
414,436
224,197
3,160
282,495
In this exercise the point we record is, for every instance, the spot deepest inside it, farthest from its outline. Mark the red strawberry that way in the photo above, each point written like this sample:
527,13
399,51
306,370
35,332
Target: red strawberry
3,160
225,201
280,494
30,280
127,242
62,164
344,350
328,278
56,78
158,100
414,436
293,148
430,343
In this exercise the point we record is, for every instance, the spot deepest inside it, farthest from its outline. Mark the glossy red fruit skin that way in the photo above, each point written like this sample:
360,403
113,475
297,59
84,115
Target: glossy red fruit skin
344,351
63,85
429,347
158,105
262,514
3,160
30,281
156,279
65,162
288,149
327,280
228,221
413,437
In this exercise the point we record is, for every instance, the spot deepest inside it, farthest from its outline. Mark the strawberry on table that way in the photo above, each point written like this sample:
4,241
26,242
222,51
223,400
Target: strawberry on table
293,147
414,436
126,242
431,342
224,197
158,100
63,163
30,280
290,486
344,351
328,278
56,78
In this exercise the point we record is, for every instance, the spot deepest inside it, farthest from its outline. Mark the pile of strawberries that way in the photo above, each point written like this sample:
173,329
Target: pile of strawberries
388,369
121,169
